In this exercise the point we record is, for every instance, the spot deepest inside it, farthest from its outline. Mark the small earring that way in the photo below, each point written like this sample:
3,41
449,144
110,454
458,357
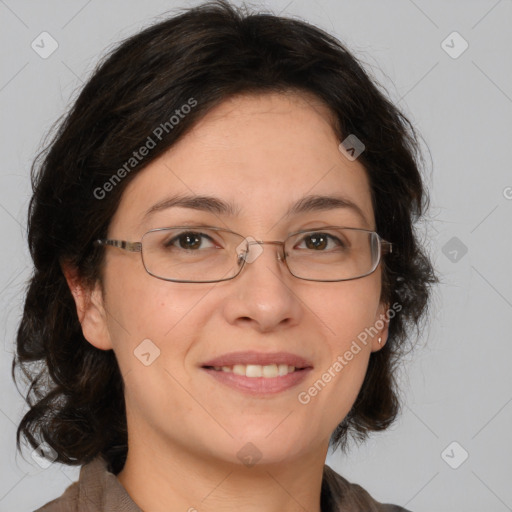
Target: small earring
380,340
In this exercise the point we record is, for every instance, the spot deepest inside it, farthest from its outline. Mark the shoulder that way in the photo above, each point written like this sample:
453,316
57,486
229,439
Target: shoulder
351,497
97,490
67,502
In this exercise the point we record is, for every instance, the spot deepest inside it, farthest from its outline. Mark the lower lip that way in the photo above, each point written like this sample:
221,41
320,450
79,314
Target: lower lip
259,385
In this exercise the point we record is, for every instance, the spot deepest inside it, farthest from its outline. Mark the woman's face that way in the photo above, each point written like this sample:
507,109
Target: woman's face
262,154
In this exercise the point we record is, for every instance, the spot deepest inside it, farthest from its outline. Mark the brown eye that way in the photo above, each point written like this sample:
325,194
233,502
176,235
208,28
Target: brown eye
189,240
320,241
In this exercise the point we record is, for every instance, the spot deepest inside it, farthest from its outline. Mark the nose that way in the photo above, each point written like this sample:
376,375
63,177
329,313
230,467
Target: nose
263,297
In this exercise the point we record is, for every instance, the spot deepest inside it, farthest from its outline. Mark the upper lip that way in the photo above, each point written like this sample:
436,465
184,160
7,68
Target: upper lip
259,358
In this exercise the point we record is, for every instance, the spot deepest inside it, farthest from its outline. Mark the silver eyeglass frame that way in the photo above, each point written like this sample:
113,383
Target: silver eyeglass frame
384,247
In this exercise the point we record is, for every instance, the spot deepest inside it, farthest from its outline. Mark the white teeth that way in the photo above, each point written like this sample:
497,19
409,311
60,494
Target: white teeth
239,369
283,369
253,370
270,370
256,370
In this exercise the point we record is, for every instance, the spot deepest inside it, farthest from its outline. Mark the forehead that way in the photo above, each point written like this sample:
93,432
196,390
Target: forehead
260,153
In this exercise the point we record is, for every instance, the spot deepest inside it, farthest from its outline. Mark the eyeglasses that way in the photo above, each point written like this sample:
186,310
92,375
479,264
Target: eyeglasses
205,254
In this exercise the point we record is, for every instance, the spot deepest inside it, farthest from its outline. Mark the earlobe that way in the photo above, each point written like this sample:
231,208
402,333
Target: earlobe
90,309
382,324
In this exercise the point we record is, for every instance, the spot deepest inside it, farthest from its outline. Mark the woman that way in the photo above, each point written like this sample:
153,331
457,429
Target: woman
226,270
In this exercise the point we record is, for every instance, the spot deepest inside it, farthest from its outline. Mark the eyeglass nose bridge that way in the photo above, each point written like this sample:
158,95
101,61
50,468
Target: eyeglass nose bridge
261,242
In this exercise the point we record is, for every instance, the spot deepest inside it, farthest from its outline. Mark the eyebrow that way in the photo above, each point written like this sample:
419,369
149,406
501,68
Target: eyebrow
307,204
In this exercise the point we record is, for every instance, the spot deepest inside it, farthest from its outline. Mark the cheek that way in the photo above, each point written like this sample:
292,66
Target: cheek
144,305
141,308
348,315
349,309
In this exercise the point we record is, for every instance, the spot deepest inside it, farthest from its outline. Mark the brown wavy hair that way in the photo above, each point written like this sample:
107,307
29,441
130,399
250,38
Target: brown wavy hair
211,53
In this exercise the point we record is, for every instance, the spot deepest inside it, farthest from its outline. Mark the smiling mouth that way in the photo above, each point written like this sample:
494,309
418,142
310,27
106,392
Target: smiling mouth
255,370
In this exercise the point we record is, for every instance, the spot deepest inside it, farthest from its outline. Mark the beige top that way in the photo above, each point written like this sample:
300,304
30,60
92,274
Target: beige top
99,490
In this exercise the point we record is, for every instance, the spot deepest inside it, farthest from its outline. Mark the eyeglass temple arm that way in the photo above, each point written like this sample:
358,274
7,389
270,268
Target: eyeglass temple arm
387,247
122,244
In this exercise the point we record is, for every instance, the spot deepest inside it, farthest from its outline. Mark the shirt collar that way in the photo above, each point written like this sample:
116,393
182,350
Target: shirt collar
101,491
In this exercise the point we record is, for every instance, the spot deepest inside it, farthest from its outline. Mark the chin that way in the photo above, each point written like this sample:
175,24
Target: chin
270,448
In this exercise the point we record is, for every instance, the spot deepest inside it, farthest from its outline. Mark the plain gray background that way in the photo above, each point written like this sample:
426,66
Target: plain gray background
457,385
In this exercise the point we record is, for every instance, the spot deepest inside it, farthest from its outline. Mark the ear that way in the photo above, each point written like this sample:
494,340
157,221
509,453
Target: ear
382,325
90,309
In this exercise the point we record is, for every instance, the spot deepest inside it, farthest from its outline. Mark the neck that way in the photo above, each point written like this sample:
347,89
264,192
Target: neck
202,483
